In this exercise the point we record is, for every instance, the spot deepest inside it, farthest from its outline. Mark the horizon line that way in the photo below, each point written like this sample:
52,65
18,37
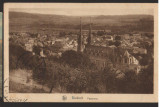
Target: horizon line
80,15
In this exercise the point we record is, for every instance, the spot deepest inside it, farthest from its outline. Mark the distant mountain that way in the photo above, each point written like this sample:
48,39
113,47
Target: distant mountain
21,20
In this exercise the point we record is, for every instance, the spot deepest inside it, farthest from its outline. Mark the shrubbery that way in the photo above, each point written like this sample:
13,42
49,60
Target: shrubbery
20,58
76,59
73,72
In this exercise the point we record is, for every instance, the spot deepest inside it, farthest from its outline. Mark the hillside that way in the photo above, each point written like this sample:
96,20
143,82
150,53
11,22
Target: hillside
21,21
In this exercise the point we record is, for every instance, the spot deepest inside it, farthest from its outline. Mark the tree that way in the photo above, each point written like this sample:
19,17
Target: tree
64,78
75,59
108,76
56,47
62,34
37,49
100,33
117,43
19,57
77,82
146,79
145,60
117,38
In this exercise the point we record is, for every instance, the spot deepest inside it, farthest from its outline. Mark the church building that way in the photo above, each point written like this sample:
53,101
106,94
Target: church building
101,55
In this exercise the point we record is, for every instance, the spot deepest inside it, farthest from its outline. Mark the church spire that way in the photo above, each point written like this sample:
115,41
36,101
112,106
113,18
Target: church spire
79,48
90,33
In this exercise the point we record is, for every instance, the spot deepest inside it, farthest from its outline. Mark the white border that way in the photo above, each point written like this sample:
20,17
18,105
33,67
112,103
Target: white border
56,97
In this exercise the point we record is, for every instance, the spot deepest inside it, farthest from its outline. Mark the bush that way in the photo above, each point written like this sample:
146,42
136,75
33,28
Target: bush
37,49
75,59
118,38
146,79
62,76
117,43
20,58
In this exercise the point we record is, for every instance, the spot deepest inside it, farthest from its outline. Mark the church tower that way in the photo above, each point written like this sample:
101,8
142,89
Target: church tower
79,47
90,34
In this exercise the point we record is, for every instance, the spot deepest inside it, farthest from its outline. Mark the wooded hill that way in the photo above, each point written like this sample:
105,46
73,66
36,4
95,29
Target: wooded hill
21,21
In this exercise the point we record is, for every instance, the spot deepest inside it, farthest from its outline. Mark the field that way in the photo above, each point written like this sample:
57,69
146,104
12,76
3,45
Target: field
22,82
20,21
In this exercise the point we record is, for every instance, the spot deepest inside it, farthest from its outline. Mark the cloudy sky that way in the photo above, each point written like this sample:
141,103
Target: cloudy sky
85,9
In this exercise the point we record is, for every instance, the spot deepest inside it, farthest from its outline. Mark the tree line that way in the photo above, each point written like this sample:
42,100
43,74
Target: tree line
73,72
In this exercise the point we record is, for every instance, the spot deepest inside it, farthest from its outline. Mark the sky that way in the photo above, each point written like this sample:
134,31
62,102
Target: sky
0,25
85,9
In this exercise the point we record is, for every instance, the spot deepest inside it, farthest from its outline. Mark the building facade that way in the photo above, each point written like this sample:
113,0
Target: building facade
103,55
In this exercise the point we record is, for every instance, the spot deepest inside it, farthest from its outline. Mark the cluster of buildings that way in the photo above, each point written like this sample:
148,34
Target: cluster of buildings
101,55
45,42
96,47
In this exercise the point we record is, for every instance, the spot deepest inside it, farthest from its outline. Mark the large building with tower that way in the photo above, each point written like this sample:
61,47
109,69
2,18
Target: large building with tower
101,55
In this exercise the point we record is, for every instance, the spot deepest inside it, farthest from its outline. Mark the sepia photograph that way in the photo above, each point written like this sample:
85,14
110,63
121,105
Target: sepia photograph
81,49
0,54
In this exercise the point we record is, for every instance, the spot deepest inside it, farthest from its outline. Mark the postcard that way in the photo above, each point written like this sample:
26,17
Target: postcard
0,54
80,52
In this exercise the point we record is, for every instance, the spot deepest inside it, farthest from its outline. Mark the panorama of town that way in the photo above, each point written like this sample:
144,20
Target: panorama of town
81,60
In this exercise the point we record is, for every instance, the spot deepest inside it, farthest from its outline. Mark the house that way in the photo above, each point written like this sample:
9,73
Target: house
101,56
